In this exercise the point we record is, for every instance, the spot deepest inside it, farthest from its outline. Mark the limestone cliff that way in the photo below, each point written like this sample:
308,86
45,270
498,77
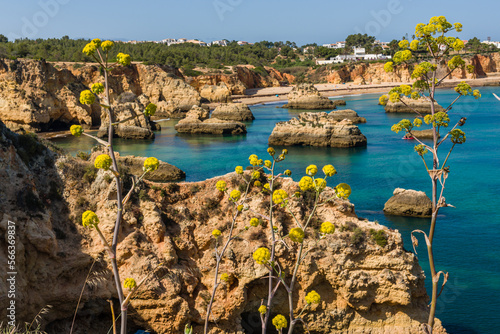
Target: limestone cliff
365,288
317,129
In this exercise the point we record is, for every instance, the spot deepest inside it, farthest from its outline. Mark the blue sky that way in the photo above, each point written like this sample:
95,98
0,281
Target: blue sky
249,20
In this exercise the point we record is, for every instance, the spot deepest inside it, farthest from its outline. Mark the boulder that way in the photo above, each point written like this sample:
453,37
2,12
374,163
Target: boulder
421,134
216,93
421,105
197,122
306,96
349,114
339,102
233,112
407,202
136,126
317,129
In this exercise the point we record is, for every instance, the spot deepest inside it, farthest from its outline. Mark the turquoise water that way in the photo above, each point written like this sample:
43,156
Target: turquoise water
467,238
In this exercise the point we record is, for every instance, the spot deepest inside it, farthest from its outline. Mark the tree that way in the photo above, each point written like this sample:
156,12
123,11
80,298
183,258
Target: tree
3,39
360,40
432,37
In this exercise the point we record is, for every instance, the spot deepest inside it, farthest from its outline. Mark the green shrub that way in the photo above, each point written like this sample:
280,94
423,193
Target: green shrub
90,174
357,236
379,237
85,156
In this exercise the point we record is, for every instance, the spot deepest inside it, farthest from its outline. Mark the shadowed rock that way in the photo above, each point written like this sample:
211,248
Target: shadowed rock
407,202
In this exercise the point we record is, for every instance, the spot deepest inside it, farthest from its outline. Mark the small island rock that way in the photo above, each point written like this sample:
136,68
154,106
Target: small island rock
407,202
233,112
306,96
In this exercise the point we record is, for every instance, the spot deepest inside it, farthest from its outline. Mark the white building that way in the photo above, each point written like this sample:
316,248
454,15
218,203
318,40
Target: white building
222,42
338,45
359,54
497,44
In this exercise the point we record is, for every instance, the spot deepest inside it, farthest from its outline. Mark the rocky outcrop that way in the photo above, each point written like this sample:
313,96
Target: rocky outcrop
409,106
129,109
317,129
407,202
233,112
216,93
338,115
421,134
166,230
306,96
197,122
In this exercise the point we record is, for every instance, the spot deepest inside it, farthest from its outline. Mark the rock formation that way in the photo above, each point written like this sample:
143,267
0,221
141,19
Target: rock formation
421,105
306,96
407,202
216,93
317,129
338,115
167,231
421,134
197,122
129,107
233,112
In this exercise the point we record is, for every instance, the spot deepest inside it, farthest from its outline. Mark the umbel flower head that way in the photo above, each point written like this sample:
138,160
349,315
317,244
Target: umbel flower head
150,110
253,159
103,161
224,277
327,228
296,235
313,297
262,309
254,222
262,255
123,59
221,185
306,183
76,130
280,322
107,45
239,170
151,164
279,196
97,88
129,283
319,184
86,97
89,219
329,170
90,48
311,170
216,233
235,195
343,190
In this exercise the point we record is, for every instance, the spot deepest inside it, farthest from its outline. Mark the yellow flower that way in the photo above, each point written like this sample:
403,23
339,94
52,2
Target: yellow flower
288,172
402,56
262,255
417,122
151,164
311,170
403,44
254,160
90,49
89,219
150,110
306,183
383,100
96,42
260,162
268,163
327,228
254,222
216,233
267,187
76,130
129,283
284,152
271,151
103,161
224,277
414,44
123,59
458,27
415,95
394,97
421,150
239,207
476,93
221,185
280,322
389,66
319,183
405,89
313,297
235,195
255,175
279,196
239,169
97,88
296,235
86,97
107,45
257,183
262,309
457,136
329,170
458,45
343,190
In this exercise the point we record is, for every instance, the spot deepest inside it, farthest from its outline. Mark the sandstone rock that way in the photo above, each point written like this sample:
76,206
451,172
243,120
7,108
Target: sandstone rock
365,288
339,102
128,107
197,122
407,202
421,105
317,129
338,115
306,96
233,112
422,134
216,93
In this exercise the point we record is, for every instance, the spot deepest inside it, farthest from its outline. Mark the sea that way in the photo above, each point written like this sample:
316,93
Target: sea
467,239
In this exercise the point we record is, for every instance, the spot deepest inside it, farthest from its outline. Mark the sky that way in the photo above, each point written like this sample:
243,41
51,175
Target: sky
301,21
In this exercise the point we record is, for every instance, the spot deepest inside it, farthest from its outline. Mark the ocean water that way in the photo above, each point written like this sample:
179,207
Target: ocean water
467,240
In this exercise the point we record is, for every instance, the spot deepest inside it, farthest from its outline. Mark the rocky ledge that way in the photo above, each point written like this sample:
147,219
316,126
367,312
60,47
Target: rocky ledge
408,202
317,129
421,134
349,114
197,122
421,105
233,112
306,96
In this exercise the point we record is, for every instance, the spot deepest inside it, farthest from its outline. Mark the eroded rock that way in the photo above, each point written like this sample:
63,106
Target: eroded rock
408,202
306,96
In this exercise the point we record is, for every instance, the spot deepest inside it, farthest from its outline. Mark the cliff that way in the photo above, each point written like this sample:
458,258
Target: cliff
318,129
365,287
